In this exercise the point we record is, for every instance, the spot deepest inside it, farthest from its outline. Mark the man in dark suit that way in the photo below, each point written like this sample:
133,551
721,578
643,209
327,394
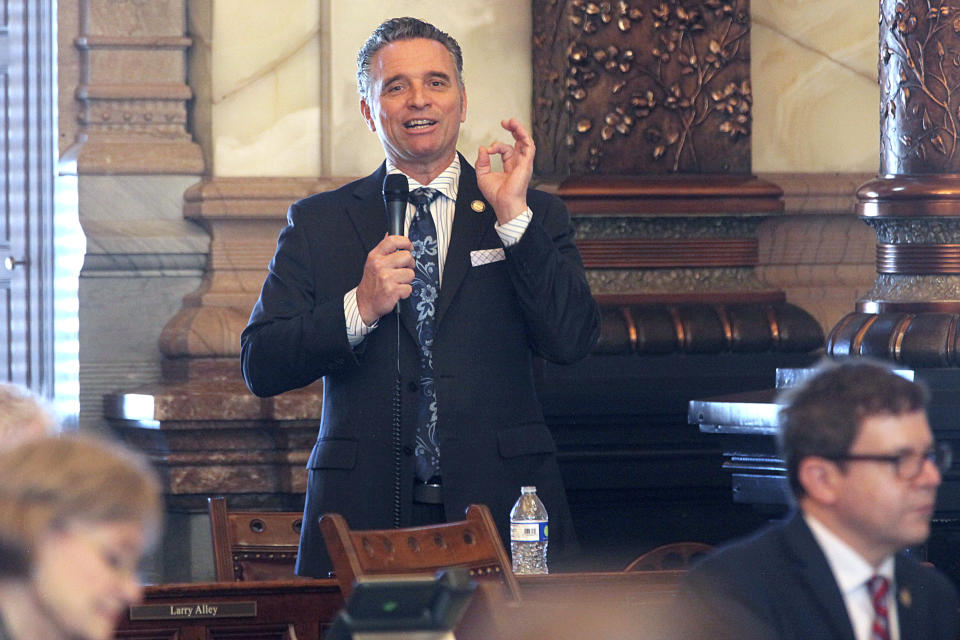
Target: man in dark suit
864,470
511,287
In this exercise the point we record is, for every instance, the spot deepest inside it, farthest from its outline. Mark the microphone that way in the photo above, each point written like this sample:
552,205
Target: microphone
395,189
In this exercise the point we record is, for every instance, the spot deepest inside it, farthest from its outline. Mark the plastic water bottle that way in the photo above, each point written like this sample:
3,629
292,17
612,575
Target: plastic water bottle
528,533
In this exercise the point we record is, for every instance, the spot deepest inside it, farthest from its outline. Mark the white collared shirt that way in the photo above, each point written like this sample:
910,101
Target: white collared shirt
852,572
443,210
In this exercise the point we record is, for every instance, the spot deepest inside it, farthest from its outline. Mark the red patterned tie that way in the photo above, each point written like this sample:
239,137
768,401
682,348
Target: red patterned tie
879,586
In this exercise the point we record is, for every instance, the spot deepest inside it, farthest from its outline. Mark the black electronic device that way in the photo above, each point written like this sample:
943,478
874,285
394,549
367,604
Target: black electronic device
425,606
395,190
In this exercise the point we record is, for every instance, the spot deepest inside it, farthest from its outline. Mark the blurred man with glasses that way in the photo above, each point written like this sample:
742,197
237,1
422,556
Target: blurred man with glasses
864,470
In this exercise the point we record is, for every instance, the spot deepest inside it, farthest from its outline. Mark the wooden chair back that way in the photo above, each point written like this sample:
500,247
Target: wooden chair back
676,555
472,543
253,545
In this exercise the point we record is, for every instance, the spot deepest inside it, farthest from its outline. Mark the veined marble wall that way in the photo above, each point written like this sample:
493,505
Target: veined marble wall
283,101
282,88
816,97
255,67
816,110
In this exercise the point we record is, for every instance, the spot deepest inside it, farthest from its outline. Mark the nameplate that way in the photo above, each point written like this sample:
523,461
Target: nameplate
184,610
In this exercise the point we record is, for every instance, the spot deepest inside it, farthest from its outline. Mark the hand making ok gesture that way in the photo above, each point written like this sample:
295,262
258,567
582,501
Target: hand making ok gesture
507,190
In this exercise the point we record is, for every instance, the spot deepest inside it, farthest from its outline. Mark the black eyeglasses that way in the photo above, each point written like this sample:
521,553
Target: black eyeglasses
908,464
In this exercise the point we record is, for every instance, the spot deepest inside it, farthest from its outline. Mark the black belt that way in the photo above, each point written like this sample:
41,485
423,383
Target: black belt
429,492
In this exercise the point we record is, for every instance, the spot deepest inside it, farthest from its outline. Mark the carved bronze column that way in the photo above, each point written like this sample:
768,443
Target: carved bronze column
913,311
642,112
635,87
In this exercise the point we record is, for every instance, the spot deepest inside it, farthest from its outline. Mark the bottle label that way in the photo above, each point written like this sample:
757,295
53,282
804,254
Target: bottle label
529,531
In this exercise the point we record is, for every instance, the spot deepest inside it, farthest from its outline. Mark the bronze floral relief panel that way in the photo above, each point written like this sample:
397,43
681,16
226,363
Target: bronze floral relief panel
641,87
919,72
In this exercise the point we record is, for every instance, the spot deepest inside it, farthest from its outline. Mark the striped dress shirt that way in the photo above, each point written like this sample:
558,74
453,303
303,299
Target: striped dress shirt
443,210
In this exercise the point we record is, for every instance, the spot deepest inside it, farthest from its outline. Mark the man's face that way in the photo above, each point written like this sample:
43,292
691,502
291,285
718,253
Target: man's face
415,105
879,512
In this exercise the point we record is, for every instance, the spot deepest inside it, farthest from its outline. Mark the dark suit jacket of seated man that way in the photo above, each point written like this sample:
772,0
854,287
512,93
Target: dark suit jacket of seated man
864,470
499,306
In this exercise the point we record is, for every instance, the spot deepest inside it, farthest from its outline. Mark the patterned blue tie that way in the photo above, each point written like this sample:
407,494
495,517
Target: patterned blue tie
426,287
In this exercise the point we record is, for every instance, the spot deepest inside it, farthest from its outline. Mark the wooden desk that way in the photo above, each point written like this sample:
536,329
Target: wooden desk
302,609
574,606
634,587
276,609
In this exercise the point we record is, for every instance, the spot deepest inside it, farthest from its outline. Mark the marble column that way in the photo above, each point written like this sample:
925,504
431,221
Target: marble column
207,434
132,92
123,105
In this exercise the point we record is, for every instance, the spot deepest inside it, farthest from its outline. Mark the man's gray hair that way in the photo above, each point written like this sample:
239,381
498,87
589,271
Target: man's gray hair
402,29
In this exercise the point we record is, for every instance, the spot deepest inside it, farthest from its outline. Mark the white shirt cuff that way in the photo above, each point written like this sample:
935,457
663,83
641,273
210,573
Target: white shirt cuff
511,232
356,329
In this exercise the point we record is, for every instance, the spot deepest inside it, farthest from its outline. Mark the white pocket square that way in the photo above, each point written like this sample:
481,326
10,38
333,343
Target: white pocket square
486,256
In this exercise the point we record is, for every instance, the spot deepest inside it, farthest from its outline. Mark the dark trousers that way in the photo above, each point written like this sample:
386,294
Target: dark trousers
424,514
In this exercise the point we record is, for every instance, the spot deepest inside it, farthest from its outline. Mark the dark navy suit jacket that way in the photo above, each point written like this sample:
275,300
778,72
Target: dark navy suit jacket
492,319
778,585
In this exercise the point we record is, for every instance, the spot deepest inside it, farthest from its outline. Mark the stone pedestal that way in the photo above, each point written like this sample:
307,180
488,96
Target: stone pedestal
243,216
672,238
204,430
141,258
213,437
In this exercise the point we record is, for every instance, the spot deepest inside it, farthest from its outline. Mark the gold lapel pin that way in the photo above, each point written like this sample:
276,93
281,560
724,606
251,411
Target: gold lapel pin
478,205
905,598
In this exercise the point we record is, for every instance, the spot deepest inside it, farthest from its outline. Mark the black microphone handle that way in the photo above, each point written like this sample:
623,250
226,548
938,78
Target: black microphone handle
396,212
395,191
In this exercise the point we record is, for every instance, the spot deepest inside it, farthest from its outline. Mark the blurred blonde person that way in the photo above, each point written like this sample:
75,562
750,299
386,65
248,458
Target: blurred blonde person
76,515
23,416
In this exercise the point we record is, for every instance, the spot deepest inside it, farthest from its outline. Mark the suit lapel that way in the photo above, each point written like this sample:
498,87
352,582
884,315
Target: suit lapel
816,577
908,617
367,210
469,227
